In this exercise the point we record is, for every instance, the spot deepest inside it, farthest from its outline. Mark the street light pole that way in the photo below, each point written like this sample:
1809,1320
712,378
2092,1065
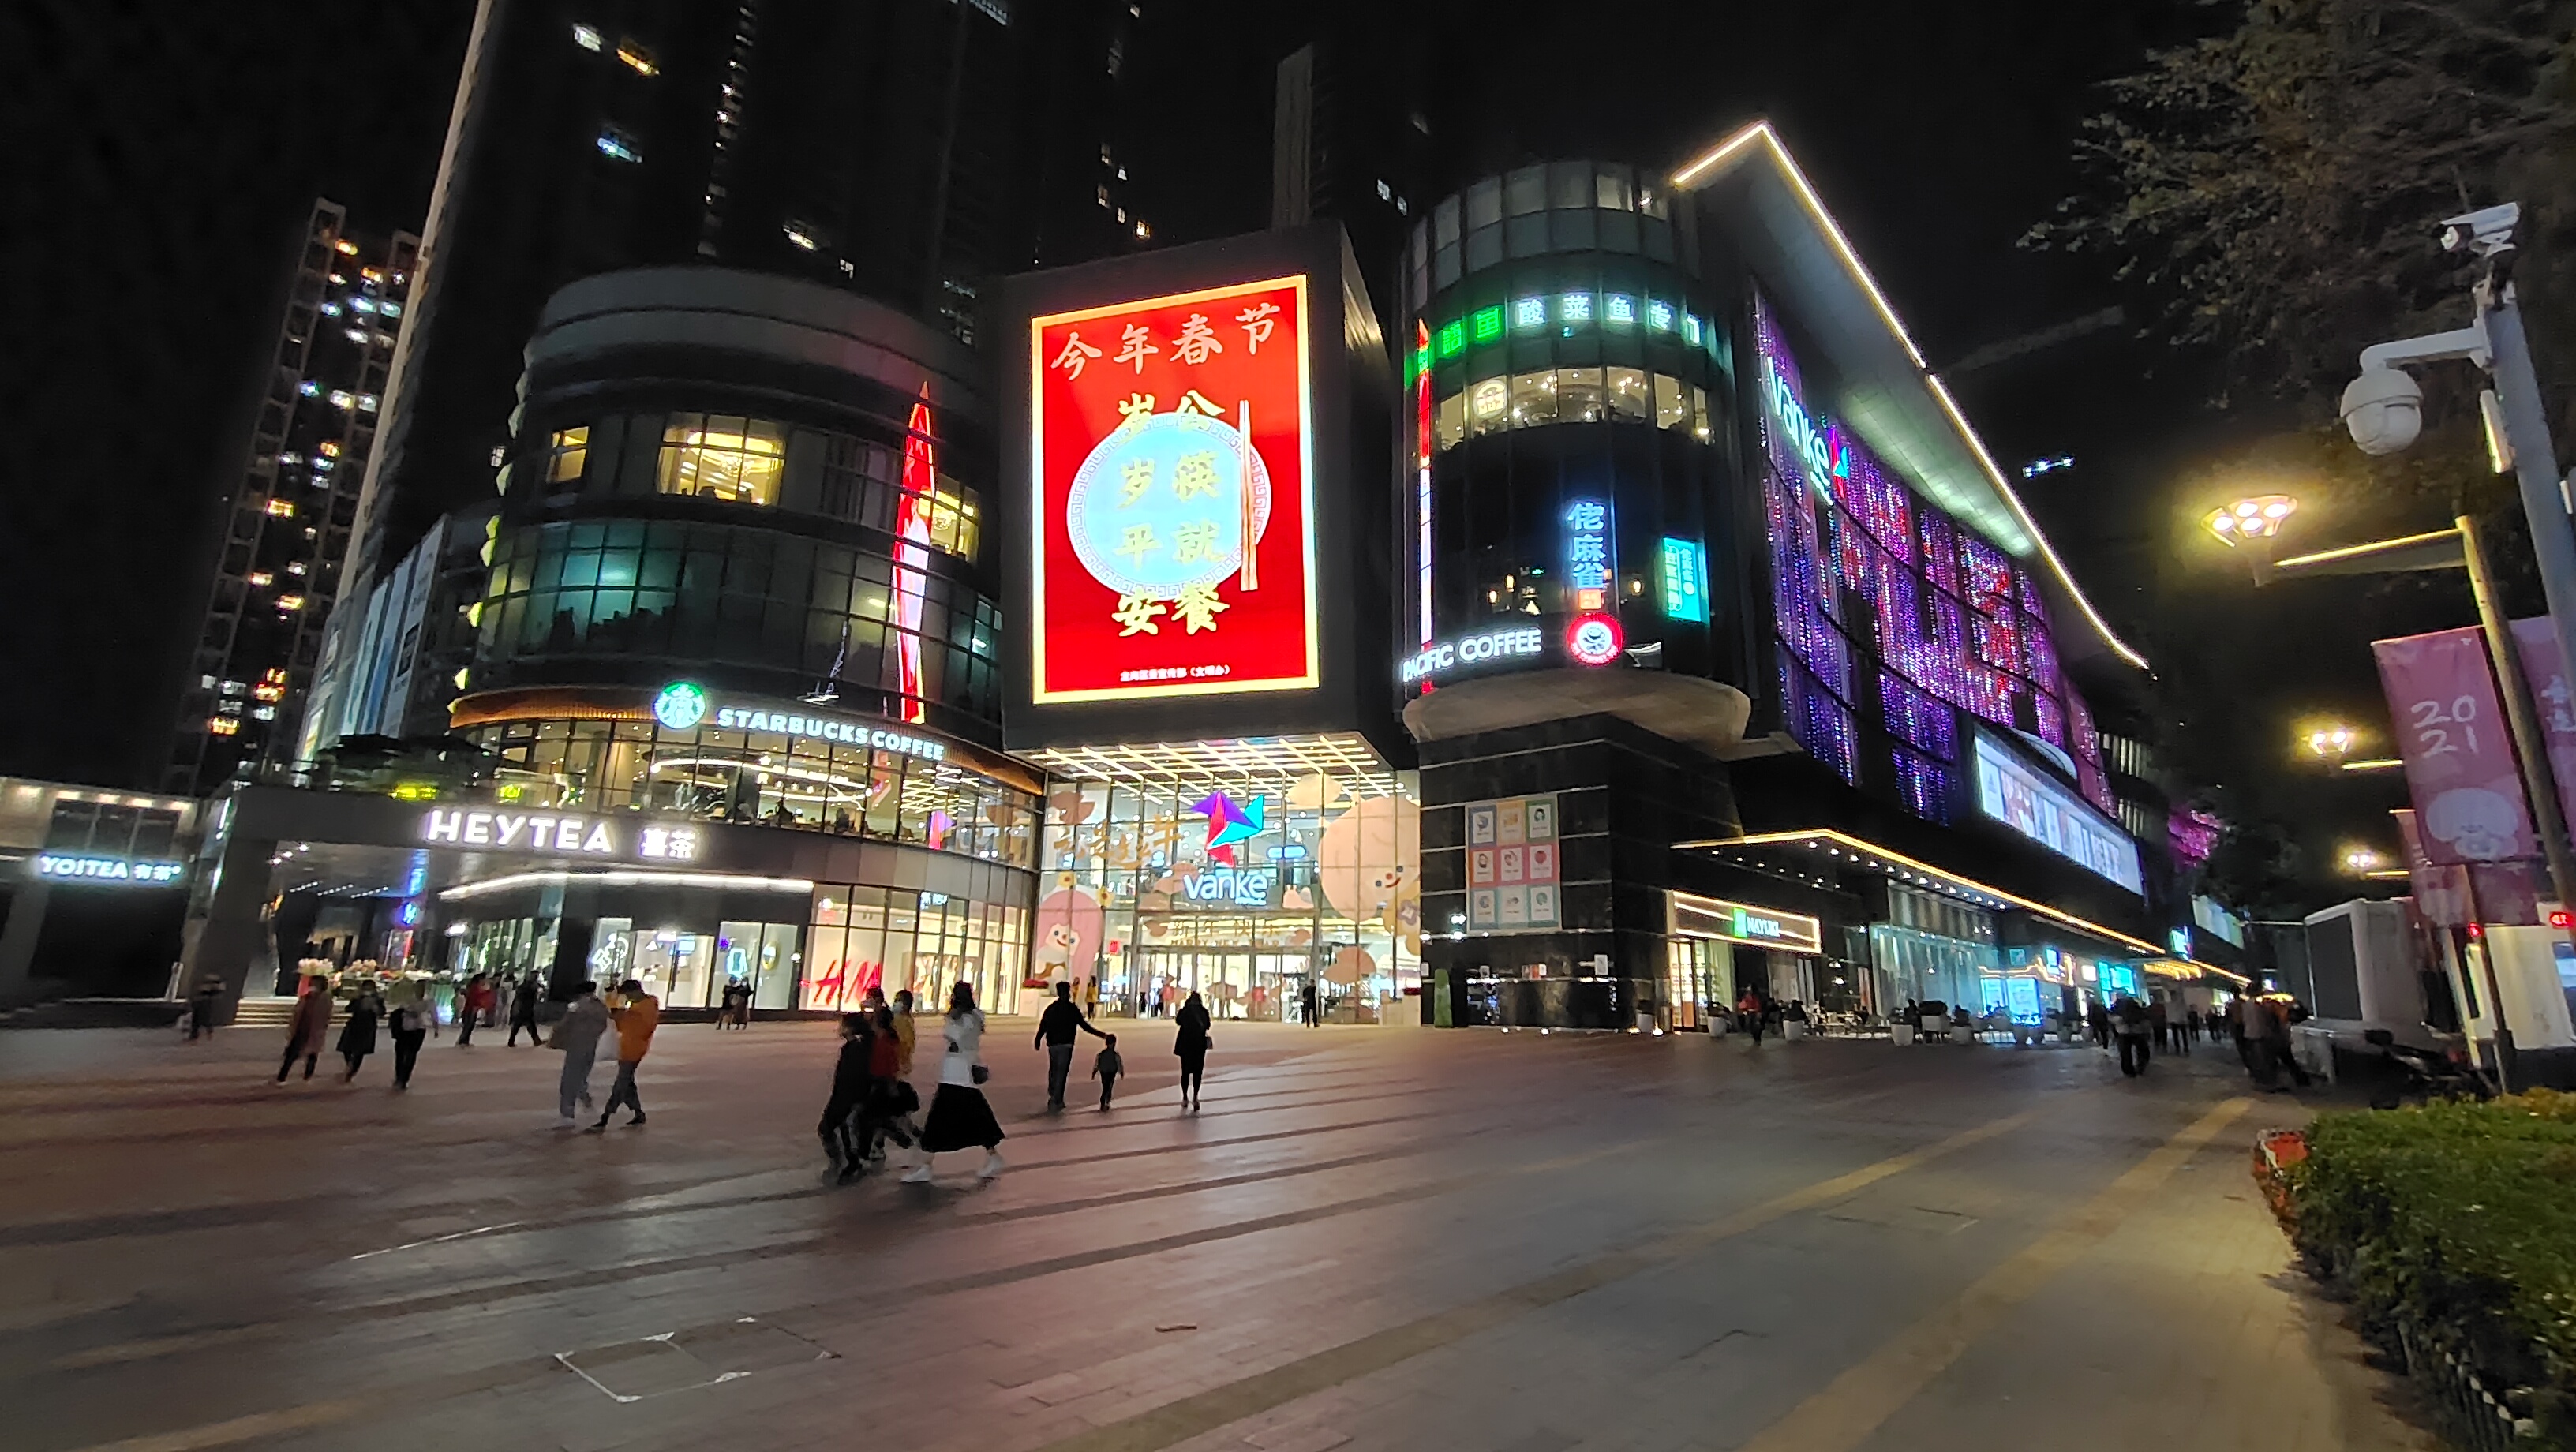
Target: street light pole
2530,747
2535,464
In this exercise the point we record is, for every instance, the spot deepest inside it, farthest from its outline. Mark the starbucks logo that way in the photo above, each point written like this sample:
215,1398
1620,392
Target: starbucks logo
681,706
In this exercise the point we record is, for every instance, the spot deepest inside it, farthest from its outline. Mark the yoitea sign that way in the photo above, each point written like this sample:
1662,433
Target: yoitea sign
1519,642
88,867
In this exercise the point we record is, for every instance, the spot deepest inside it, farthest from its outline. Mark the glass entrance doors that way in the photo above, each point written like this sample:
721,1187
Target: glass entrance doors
1239,983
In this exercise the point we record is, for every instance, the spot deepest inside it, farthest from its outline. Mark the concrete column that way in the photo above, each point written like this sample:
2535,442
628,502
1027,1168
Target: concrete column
231,938
18,940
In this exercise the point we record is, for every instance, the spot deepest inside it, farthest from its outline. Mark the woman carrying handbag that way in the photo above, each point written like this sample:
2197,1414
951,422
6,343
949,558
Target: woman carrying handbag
959,1116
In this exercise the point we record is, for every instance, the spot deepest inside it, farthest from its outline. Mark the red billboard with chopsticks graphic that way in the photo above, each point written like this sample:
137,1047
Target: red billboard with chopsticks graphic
1172,496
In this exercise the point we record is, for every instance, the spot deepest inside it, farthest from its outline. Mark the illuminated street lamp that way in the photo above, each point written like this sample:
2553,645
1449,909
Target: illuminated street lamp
2332,742
2254,525
2250,520
2362,861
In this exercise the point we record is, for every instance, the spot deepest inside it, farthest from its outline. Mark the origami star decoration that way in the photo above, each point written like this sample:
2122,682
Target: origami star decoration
1230,822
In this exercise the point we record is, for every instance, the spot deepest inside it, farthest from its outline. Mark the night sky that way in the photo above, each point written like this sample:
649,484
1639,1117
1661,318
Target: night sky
166,152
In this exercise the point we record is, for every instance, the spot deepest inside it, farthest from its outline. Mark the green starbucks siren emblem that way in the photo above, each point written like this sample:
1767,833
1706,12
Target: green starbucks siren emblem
681,706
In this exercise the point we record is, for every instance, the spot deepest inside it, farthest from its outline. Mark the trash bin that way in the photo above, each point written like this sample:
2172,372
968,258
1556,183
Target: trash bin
1900,1033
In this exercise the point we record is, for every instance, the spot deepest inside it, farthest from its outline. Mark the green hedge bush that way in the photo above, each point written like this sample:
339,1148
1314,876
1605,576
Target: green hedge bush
2460,1219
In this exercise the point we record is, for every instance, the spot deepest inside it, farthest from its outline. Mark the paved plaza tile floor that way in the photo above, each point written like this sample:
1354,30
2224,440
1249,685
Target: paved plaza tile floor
1368,1239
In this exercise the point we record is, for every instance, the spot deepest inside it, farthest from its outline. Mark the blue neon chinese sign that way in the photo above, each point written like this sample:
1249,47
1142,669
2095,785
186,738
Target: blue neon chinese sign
1685,580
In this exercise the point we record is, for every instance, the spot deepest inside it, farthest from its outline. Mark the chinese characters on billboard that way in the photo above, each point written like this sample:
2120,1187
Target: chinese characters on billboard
1173,497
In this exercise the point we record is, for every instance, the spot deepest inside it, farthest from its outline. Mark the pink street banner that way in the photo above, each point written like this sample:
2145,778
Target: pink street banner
2536,642
2459,759
2506,894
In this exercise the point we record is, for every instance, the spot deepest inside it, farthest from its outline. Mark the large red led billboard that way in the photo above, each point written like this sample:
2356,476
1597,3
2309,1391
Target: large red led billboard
1171,492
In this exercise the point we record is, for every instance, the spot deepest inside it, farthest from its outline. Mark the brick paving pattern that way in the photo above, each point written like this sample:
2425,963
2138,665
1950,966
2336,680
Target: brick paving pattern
1368,1239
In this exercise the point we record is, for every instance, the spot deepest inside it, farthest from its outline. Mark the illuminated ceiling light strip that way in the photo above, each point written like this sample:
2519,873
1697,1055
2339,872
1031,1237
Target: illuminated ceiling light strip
1775,839
2375,763
2377,546
629,879
1760,131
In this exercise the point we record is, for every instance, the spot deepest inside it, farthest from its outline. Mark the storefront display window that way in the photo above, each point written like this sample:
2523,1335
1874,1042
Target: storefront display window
864,937
765,777
1151,891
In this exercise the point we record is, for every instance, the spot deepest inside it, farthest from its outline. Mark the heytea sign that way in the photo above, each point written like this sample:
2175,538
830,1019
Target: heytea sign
1441,658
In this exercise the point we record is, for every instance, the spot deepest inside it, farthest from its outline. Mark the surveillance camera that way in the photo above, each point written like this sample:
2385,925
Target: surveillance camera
2384,409
2488,229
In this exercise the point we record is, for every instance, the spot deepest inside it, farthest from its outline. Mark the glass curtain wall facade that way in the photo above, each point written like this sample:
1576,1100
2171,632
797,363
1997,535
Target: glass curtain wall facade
1243,897
766,777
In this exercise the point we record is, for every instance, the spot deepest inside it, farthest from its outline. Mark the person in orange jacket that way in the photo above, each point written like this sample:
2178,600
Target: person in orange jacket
637,1013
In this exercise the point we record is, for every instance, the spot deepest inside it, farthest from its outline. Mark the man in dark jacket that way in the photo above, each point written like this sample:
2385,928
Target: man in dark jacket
1057,1027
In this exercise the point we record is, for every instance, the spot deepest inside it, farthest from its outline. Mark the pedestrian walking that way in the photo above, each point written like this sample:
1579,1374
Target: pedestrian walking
1190,1046
891,1100
850,1086
2272,1019
2191,1024
578,1033
202,1005
959,1116
523,1011
408,1023
904,1032
477,999
2130,1024
1106,1066
1748,1012
1057,1028
2160,1025
737,1005
637,1013
358,1035
308,1027
1312,1002
2098,1023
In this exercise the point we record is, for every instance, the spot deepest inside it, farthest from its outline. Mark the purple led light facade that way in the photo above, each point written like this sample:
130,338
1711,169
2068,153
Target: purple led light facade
1960,625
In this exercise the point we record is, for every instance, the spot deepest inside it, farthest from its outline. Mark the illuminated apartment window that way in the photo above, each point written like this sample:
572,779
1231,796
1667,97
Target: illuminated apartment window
585,37
616,145
637,58
569,448
282,508
723,457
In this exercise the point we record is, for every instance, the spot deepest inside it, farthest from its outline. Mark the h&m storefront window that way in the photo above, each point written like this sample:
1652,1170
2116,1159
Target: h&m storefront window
894,938
1247,893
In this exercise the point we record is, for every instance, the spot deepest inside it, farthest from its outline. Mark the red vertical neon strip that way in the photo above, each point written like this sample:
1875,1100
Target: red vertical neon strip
912,553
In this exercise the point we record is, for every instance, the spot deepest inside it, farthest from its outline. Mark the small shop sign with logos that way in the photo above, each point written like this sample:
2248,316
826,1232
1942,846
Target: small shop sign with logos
92,867
1735,922
685,705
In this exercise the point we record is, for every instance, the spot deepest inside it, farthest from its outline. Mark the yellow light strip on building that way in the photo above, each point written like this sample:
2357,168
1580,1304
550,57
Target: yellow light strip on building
1820,838
1345,756
1761,132
734,880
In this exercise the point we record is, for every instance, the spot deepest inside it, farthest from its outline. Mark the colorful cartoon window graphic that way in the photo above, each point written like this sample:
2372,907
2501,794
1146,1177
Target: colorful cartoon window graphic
1173,501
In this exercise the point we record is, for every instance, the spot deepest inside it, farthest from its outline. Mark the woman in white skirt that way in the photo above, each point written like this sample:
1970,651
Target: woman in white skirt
959,1117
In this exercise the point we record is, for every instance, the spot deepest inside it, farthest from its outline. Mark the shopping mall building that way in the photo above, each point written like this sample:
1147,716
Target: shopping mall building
1639,623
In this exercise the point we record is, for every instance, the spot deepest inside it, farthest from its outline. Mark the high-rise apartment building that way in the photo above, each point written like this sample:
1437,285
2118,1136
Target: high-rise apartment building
865,147
283,520
1350,142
